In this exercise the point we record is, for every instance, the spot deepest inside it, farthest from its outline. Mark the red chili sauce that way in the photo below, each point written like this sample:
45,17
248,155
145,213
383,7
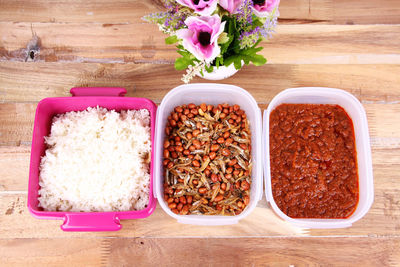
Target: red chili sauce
313,161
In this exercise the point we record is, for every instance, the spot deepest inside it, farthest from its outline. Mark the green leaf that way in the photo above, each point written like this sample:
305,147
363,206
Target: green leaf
209,69
257,60
223,38
182,63
171,39
237,63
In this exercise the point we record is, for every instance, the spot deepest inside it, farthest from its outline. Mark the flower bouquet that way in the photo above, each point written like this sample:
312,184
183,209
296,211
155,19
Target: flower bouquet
215,34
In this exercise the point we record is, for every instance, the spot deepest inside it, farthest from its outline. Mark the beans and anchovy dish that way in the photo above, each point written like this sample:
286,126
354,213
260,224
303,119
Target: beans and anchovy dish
207,160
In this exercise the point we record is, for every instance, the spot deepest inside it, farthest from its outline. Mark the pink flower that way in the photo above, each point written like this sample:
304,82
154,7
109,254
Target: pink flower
201,36
261,8
202,7
231,6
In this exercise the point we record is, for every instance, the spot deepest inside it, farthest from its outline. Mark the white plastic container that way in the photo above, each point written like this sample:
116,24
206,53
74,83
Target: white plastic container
319,95
213,94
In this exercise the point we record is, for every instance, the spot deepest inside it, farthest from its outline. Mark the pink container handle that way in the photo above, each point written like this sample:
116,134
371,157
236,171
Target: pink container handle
98,91
90,222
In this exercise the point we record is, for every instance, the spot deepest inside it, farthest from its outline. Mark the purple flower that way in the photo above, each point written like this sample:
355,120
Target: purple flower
261,8
202,7
201,36
231,6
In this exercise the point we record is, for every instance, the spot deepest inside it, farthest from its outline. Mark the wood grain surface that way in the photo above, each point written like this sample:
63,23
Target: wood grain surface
48,47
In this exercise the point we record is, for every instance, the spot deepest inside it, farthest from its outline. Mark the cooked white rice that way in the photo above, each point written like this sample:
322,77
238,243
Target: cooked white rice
97,160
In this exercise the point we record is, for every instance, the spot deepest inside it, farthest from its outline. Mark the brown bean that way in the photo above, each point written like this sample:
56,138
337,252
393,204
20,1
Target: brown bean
236,107
234,116
228,141
207,172
166,197
220,140
243,146
183,118
192,148
189,199
226,152
213,155
166,153
203,107
210,108
218,207
179,109
186,111
170,200
232,162
172,205
170,165
182,199
169,190
175,211
166,144
239,119
179,149
196,132
236,172
245,186
177,138
191,106
214,178
165,162
223,186
189,135
222,116
214,147
226,134
218,198
197,144
215,110
171,148
191,156
186,152
178,143
180,180
202,190
176,200
225,105
237,184
225,110
167,130
237,166
240,204
190,115
179,207
184,210
228,176
194,111
174,155
229,170
195,163
175,116
195,182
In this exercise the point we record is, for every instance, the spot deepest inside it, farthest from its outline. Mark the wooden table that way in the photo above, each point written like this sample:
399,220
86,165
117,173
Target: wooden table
47,47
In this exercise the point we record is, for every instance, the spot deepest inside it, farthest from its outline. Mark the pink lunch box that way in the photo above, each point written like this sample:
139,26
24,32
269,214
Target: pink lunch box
110,98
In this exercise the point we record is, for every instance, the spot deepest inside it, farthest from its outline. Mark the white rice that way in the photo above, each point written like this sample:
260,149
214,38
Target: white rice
97,160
